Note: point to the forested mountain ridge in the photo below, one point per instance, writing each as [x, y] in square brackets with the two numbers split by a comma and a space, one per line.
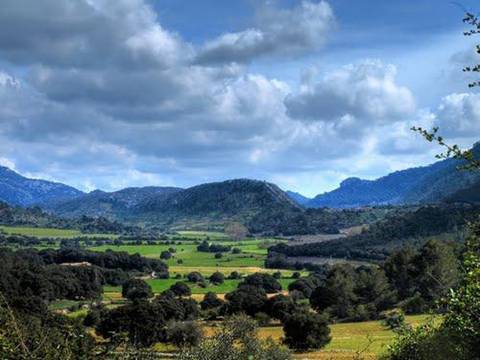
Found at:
[422, 185]
[114, 205]
[16, 189]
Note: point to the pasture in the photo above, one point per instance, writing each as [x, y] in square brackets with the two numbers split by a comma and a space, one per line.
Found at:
[40, 232]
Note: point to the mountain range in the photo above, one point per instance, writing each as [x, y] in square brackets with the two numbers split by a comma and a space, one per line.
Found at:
[18, 190]
[241, 199]
[428, 184]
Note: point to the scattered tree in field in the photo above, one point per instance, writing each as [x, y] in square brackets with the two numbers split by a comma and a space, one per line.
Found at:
[165, 255]
[305, 330]
[210, 301]
[195, 277]
[246, 299]
[181, 289]
[217, 278]
[264, 281]
[136, 289]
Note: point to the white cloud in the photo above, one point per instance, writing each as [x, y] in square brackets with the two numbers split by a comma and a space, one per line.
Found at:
[458, 115]
[356, 96]
[277, 31]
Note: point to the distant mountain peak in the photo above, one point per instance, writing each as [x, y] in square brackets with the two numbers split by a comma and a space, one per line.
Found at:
[18, 190]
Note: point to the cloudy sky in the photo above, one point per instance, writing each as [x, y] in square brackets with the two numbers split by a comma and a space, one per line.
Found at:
[114, 93]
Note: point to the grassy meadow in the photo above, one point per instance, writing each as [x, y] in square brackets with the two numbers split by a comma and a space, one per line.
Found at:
[40, 232]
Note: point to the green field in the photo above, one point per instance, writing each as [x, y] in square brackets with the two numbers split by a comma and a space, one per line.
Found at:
[367, 339]
[49, 232]
[160, 285]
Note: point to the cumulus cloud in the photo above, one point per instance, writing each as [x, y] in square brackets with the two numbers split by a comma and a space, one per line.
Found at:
[357, 95]
[110, 98]
[277, 31]
[71, 33]
[458, 115]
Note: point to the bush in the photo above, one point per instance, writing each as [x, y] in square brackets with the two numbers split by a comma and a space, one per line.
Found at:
[218, 255]
[136, 289]
[296, 275]
[394, 320]
[264, 281]
[195, 277]
[236, 251]
[277, 275]
[184, 334]
[217, 278]
[210, 301]
[181, 289]
[305, 330]
[165, 255]
[234, 275]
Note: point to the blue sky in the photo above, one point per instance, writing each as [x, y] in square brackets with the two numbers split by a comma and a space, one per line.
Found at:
[108, 94]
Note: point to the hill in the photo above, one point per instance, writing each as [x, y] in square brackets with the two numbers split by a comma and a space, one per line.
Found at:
[18, 190]
[298, 198]
[114, 205]
[429, 184]
[239, 199]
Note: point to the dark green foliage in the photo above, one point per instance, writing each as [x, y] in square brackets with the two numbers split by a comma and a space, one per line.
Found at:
[205, 246]
[264, 281]
[210, 301]
[234, 275]
[136, 289]
[305, 330]
[184, 334]
[165, 255]
[307, 285]
[145, 322]
[246, 299]
[354, 294]
[217, 278]
[181, 289]
[280, 306]
[109, 260]
[377, 242]
[195, 277]
[218, 255]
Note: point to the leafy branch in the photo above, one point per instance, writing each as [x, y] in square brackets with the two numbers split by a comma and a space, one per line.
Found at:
[451, 151]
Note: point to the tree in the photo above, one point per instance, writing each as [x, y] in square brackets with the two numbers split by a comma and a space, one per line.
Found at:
[264, 281]
[210, 301]
[400, 271]
[165, 255]
[305, 330]
[236, 339]
[195, 277]
[247, 299]
[184, 334]
[136, 289]
[337, 295]
[236, 231]
[280, 306]
[217, 278]
[181, 289]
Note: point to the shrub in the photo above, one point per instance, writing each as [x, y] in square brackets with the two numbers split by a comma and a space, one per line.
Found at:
[305, 330]
[217, 278]
[181, 289]
[210, 301]
[136, 289]
[262, 319]
[184, 334]
[195, 277]
[218, 255]
[394, 320]
[165, 255]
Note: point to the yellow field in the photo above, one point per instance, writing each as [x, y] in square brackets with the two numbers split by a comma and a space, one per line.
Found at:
[363, 340]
